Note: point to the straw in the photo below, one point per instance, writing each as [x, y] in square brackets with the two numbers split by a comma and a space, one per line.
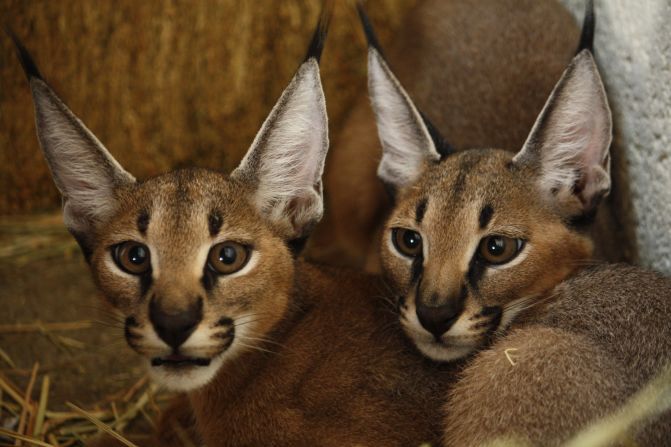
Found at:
[101, 425]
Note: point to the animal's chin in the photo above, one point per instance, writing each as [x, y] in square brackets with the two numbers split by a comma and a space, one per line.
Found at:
[441, 351]
[183, 373]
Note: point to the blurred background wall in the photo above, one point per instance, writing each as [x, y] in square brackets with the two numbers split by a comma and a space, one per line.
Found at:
[165, 84]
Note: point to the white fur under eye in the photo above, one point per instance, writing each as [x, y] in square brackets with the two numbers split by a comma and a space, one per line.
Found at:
[518, 259]
[253, 261]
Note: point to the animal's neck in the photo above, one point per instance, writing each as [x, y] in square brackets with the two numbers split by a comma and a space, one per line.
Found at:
[239, 372]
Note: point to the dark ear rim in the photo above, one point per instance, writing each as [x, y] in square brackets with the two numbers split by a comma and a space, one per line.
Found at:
[37, 83]
[251, 158]
[442, 147]
[533, 153]
[531, 146]
[80, 224]
[292, 204]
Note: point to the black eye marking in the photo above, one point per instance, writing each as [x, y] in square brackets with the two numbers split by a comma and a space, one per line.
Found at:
[143, 222]
[214, 222]
[420, 210]
[209, 279]
[475, 271]
[486, 215]
[145, 283]
[417, 269]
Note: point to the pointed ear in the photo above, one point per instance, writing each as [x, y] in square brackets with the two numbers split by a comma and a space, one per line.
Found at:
[284, 165]
[568, 145]
[408, 139]
[83, 170]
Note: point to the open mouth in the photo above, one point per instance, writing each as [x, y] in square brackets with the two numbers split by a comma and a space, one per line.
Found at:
[178, 360]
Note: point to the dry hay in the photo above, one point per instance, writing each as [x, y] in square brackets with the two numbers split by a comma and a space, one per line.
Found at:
[28, 419]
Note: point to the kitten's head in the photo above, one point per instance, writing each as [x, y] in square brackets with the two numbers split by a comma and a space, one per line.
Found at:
[476, 236]
[199, 263]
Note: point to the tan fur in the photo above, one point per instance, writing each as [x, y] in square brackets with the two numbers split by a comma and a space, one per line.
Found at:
[589, 339]
[335, 375]
[480, 70]
[602, 337]
[279, 352]
[570, 342]
[335, 371]
[456, 190]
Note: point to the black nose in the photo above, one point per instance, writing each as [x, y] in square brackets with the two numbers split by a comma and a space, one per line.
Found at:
[439, 319]
[175, 327]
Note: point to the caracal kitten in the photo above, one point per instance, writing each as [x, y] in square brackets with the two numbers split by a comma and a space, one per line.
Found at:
[270, 350]
[489, 249]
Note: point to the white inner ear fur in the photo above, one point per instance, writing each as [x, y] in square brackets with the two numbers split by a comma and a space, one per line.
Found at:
[572, 136]
[286, 159]
[83, 170]
[406, 142]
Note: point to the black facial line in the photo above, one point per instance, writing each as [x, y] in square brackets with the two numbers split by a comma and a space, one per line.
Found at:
[465, 168]
[214, 222]
[476, 270]
[486, 215]
[142, 222]
[209, 278]
[417, 268]
[145, 283]
[420, 210]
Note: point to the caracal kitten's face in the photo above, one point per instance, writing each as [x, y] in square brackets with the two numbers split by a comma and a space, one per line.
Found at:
[193, 270]
[469, 246]
[476, 237]
[198, 263]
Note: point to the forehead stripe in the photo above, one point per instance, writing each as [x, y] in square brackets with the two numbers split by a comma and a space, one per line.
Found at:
[420, 210]
[143, 221]
[486, 215]
[214, 222]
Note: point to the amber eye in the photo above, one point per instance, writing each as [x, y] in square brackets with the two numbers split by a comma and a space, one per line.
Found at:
[407, 242]
[227, 257]
[497, 249]
[132, 257]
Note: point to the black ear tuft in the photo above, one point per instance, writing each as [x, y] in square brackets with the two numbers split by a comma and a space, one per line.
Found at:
[588, 26]
[319, 37]
[371, 37]
[27, 62]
